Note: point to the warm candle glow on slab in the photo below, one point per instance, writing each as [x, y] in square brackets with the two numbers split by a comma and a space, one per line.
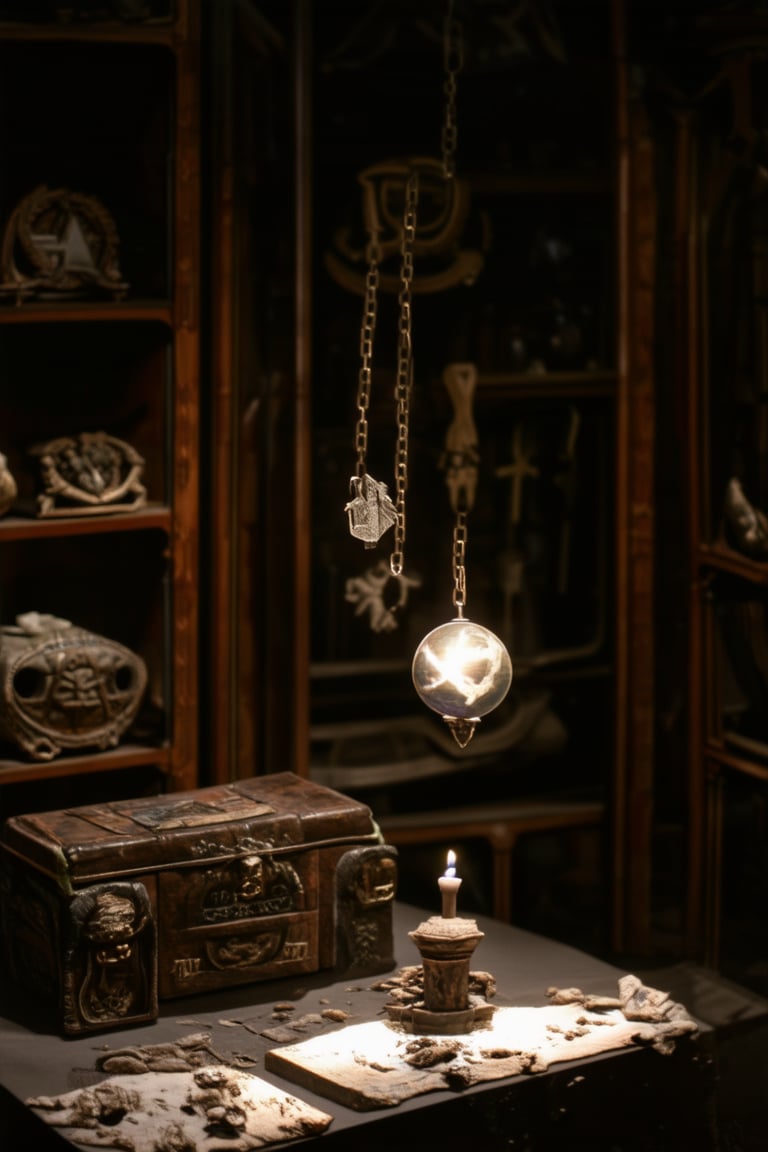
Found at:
[449, 886]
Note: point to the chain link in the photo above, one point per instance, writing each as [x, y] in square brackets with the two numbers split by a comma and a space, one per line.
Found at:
[404, 379]
[453, 62]
[459, 554]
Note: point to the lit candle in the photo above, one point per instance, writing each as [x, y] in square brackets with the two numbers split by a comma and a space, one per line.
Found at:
[449, 885]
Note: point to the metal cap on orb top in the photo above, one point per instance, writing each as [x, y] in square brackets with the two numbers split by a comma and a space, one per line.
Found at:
[462, 671]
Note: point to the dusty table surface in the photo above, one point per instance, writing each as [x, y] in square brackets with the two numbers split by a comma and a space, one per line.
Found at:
[35, 1061]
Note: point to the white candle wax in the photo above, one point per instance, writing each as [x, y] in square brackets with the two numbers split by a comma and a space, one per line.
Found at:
[449, 885]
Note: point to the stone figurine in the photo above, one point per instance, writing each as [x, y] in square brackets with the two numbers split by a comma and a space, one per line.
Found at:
[8, 490]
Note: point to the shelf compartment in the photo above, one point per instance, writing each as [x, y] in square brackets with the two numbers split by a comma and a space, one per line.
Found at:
[64, 134]
[64, 379]
[110, 587]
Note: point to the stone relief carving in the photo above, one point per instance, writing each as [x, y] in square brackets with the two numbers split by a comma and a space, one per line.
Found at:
[62, 686]
[60, 244]
[89, 474]
[110, 960]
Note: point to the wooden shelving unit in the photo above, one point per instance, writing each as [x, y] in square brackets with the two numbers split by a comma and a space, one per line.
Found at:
[721, 370]
[114, 114]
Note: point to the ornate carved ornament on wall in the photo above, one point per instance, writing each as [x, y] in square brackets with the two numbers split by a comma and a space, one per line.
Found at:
[63, 687]
[60, 244]
[89, 474]
[440, 244]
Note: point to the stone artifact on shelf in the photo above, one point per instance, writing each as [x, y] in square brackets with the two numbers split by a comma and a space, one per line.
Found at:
[8, 488]
[63, 687]
[60, 244]
[746, 525]
[264, 878]
[87, 475]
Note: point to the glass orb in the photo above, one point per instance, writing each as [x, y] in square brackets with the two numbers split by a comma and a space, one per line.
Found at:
[461, 670]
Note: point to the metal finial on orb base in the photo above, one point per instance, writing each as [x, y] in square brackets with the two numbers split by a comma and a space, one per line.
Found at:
[462, 730]
[462, 671]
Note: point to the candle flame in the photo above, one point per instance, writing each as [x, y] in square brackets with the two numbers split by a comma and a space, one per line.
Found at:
[450, 869]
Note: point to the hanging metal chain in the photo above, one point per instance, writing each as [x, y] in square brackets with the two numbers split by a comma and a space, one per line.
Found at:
[459, 554]
[367, 333]
[404, 380]
[370, 511]
[453, 62]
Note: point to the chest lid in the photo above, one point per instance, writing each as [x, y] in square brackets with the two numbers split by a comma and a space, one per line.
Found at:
[269, 813]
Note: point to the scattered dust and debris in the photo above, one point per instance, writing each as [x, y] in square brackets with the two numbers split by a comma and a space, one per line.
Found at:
[311, 1023]
[406, 986]
[337, 1015]
[426, 1052]
[189, 1052]
[662, 1020]
[182, 1111]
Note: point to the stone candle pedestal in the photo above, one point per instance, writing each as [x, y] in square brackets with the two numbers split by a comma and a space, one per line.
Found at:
[446, 945]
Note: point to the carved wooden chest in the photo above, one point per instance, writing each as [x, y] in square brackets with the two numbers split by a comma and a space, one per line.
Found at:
[109, 907]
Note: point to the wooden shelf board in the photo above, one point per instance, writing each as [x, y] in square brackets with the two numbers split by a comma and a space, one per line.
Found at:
[32, 528]
[99, 32]
[67, 311]
[494, 385]
[126, 756]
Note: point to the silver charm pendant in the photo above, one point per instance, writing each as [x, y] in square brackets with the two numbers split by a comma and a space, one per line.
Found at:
[370, 511]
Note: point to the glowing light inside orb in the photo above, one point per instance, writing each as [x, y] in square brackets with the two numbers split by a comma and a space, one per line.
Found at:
[461, 670]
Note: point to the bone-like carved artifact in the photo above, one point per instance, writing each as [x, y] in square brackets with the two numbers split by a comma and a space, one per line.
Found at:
[89, 474]
[59, 243]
